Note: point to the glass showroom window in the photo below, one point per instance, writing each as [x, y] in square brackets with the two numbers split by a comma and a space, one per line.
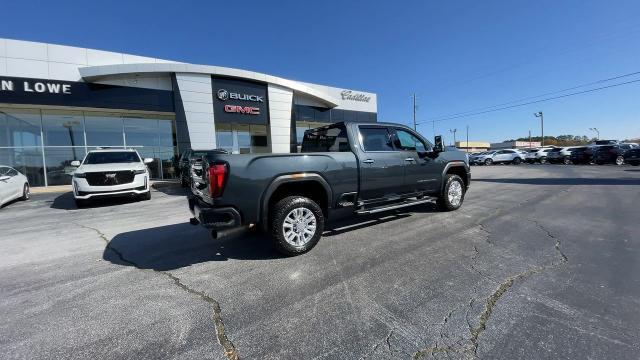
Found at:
[63, 143]
[103, 129]
[21, 143]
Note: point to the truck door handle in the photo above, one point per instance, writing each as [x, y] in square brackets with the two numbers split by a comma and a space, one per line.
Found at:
[368, 161]
[409, 159]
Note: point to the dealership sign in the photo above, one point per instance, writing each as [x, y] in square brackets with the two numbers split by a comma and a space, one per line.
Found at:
[239, 101]
[30, 91]
[33, 86]
[354, 96]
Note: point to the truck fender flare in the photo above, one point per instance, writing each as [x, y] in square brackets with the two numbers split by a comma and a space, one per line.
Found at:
[290, 178]
[448, 166]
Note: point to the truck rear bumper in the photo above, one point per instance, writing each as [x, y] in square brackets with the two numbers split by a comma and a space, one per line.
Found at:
[218, 218]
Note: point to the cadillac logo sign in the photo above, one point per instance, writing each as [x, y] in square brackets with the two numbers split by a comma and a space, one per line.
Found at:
[354, 96]
[223, 94]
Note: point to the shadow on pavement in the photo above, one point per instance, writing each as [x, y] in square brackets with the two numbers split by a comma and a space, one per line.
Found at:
[565, 181]
[66, 201]
[633, 170]
[176, 246]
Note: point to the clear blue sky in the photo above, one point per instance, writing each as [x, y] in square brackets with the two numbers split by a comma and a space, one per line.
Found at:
[456, 55]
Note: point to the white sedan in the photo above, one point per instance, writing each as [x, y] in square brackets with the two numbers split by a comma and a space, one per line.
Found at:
[13, 185]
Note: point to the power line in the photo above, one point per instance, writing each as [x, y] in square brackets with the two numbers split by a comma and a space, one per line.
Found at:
[535, 102]
[537, 96]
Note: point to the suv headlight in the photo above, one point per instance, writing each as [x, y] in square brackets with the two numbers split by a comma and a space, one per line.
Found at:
[138, 172]
[79, 175]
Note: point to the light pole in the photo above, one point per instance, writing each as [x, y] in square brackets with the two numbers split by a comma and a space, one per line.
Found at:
[454, 135]
[467, 138]
[541, 116]
[597, 132]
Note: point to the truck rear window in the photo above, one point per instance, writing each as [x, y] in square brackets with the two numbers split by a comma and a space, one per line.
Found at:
[326, 139]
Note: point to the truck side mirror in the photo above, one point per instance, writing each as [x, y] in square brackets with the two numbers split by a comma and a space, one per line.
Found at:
[438, 145]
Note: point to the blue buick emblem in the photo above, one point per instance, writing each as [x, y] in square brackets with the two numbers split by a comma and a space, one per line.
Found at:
[223, 94]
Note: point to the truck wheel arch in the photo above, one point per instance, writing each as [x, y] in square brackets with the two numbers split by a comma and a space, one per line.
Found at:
[287, 184]
[458, 168]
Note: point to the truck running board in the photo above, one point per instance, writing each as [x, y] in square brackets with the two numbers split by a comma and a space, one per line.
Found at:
[395, 206]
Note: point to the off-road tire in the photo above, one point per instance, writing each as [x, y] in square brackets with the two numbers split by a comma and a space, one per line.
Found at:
[443, 201]
[278, 214]
[26, 193]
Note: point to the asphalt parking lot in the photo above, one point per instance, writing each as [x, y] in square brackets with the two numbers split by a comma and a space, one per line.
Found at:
[542, 261]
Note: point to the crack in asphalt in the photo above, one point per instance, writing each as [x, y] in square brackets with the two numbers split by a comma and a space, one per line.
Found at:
[558, 245]
[229, 349]
[500, 291]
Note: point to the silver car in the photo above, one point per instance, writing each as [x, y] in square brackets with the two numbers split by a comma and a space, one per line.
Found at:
[484, 158]
[507, 156]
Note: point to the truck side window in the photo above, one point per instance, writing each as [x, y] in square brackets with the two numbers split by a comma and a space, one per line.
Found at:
[376, 139]
[326, 139]
[407, 141]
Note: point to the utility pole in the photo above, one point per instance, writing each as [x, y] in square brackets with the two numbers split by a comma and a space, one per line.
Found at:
[454, 135]
[467, 138]
[597, 132]
[529, 139]
[541, 116]
[414, 112]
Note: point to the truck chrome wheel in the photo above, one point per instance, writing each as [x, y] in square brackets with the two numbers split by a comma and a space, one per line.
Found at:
[455, 193]
[299, 226]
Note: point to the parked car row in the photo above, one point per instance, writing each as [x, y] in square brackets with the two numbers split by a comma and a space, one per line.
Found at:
[606, 152]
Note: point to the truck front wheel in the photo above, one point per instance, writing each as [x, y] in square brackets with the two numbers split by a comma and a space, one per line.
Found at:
[297, 224]
[453, 193]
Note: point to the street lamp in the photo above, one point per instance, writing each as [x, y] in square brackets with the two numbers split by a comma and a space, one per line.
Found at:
[454, 135]
[597, 132]
[541, 116]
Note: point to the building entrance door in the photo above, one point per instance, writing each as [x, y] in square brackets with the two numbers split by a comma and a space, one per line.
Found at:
[242, 138]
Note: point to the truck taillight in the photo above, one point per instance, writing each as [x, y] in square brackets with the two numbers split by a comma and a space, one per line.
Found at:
[217, 177]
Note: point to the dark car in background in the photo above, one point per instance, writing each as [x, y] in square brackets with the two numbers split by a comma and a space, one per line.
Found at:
[632, 156]
[581, 155]
[611, 154]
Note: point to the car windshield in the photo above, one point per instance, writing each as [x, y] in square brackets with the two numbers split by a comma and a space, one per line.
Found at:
[556, 150]
[110, 157]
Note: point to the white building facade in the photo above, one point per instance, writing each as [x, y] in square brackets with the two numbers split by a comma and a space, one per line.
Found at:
[58, 102]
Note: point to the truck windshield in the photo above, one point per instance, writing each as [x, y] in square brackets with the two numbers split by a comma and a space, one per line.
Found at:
[111, 157]
[326, 139]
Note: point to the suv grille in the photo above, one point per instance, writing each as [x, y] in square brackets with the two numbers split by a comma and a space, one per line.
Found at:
[109, 178]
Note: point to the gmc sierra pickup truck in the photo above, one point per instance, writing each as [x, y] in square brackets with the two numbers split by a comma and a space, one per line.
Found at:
[343, 169]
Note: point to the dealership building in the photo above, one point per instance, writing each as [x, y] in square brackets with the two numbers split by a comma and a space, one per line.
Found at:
[58, 102]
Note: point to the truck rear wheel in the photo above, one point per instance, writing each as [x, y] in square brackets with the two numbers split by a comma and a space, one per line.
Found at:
[297, 224]
[453, 193]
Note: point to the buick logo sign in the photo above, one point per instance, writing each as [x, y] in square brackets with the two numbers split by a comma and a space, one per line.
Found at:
[223, 94]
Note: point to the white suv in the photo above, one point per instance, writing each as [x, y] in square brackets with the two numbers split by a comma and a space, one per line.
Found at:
[111, 172]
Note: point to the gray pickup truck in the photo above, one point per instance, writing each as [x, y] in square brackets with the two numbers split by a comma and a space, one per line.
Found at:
[343, 169]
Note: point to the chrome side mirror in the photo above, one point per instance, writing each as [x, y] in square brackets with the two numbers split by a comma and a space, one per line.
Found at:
[148, 160]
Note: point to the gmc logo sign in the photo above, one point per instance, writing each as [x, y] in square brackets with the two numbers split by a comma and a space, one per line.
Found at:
[249, 110]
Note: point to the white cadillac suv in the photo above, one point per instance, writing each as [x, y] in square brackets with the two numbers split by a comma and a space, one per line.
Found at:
[111, 172]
